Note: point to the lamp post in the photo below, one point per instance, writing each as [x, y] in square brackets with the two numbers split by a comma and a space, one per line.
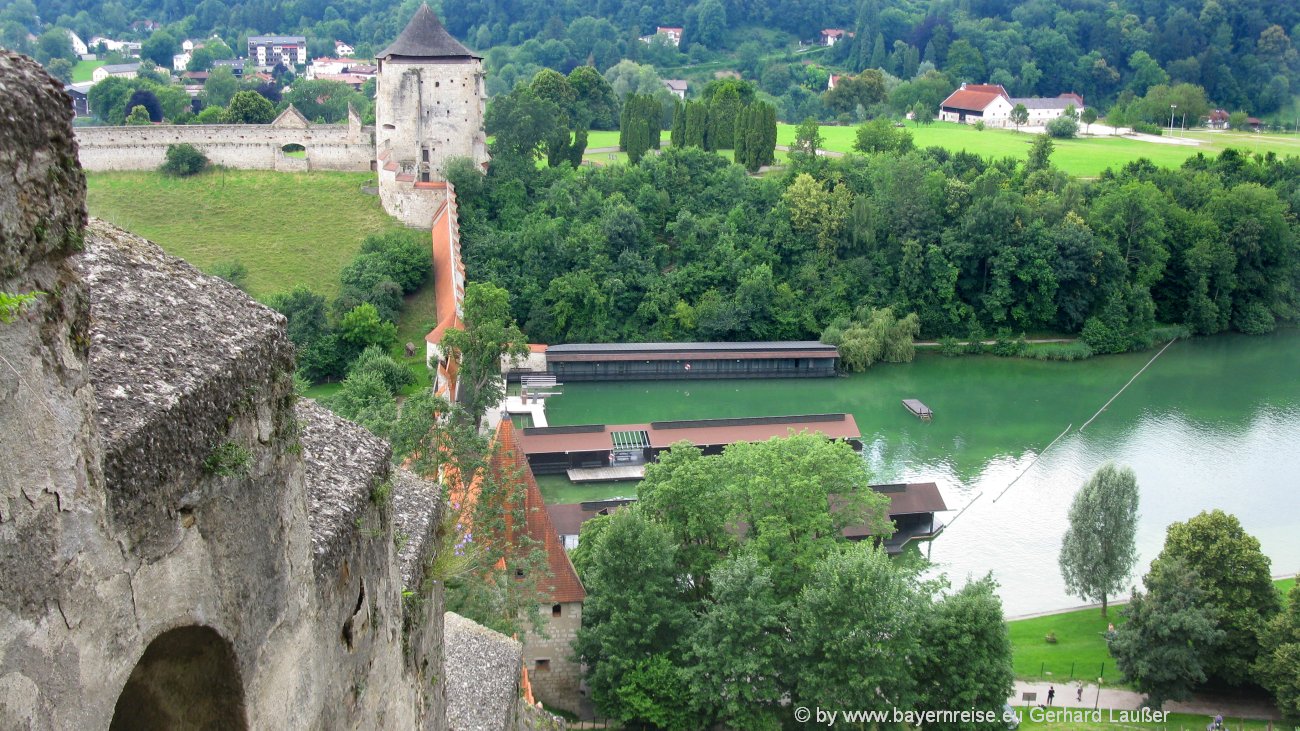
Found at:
[1172, 107]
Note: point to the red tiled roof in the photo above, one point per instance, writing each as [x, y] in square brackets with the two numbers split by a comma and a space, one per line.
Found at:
[833, 32]
[537, 347]
[974, 98]
[563, 585]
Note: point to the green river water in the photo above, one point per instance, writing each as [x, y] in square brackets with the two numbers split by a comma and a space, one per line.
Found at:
[1212, 423]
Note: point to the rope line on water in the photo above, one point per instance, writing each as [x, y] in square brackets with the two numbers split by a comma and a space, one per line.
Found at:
[1030, 466]
[1130, 383]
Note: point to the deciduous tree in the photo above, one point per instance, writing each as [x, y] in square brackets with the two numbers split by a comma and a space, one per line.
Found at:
[1100, 546]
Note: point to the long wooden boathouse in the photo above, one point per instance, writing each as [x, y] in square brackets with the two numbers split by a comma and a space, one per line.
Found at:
[912, 507]
[655, 361]
[556, 449]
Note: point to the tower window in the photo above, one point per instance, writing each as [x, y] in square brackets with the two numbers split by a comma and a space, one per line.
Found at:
[542, 665]
[557, 610]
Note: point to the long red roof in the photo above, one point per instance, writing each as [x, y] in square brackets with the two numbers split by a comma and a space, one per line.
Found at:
[974, 97]
[563, 585]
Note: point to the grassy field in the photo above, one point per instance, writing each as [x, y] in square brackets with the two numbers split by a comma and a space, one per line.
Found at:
[1084, 157]
[287, 229]
[83, 70]
[1080, 649]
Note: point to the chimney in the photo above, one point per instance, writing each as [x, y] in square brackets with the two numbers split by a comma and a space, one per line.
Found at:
[963, 84]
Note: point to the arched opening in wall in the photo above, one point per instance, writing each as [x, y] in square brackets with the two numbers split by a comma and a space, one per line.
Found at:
[187, 678]
[390, 126]
[294, 150]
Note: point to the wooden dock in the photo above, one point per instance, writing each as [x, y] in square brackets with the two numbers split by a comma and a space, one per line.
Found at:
[606, 474]
[918, 409]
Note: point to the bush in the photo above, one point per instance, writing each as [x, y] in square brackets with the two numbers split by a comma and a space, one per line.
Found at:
[1253, 318]
[979, 126]
[1060, 351]
[1103, 338]
[1007, 346]
[184, 160]
[232, 271]
[1148, 128]
[950, 346]
[393, 374]
[1170, 332]
[1063, 128]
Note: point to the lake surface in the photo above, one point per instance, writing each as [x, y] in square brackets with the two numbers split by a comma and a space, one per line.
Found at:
[1212, 423]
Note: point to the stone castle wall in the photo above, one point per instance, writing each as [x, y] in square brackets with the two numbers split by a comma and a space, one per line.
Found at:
[183, 542]
[345, 147]
[425, 114]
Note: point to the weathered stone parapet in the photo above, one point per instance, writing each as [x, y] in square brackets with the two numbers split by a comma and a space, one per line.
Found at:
[417, 510]
[483, 671]
[347, 472]
[178, 360]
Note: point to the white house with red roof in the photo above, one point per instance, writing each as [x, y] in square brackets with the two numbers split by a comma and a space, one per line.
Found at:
[831, 36]
[992, 105]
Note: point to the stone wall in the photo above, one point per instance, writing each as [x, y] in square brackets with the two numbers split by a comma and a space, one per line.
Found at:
[346, 147]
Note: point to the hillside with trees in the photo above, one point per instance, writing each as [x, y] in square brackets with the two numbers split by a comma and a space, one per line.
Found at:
[685, 246]
[1238, 56]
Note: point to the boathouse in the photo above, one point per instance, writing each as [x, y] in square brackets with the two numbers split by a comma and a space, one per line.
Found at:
[556, 449]
[655, 361]
[912, 507]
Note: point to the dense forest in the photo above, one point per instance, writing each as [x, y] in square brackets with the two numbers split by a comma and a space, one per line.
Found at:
[685, 245]
[1241, 53]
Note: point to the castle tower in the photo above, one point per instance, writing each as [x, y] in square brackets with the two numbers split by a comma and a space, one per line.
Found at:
[428, 108]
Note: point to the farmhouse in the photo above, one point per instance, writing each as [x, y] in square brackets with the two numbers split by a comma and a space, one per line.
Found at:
[674, 35]
[676, 87]
[992, 105]
[118, 70]
[831, 36]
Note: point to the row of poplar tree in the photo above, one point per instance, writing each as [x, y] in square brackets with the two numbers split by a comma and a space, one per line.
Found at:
[723, 122]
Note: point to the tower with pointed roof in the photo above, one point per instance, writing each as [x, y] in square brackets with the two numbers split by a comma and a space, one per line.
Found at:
[429, 104]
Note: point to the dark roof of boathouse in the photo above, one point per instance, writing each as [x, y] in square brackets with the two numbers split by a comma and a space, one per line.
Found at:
[700, 432]
[690, 351]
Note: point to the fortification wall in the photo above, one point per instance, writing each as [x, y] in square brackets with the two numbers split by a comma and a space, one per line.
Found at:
[346, 147]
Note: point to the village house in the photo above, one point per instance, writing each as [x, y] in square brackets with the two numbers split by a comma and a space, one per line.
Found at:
[181, 61]
[676, 87]
[343, 49]
[327, 66]
[236, 66]
[831, 36]
[992, 105]
[674, 35]
[831, 81]
[80, 105]
[115, 70]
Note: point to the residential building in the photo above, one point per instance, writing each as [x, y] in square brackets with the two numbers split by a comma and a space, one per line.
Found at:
[832, 81]
[674, 35]
[267, 51]
[992, 105]
[181, 61]
[343, 49]
[78, 45]
[80, 107]
[677, 87]
[118, 70]
[1218, 119]
[187, 45]
[236, 66]
[831, 36]
[329, 66]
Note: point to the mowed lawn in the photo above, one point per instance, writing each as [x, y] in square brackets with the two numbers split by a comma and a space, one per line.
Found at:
[286, 228]
[1086, 156]
[84, 69]
[1172, 722]
[1080, 650]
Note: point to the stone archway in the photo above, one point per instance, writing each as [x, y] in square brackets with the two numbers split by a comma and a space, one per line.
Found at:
[186, 679]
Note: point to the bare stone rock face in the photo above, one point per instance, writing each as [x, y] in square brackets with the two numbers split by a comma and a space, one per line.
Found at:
[182, 542]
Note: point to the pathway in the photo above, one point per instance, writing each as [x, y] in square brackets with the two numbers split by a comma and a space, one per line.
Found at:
[1201, 705]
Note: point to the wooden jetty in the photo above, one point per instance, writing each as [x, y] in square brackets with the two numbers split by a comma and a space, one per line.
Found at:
[918, 409]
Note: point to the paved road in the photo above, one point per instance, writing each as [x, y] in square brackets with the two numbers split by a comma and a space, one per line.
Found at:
[1067, 693]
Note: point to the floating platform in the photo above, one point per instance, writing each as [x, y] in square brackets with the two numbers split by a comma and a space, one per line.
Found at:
[607, 474]
[918, 409]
